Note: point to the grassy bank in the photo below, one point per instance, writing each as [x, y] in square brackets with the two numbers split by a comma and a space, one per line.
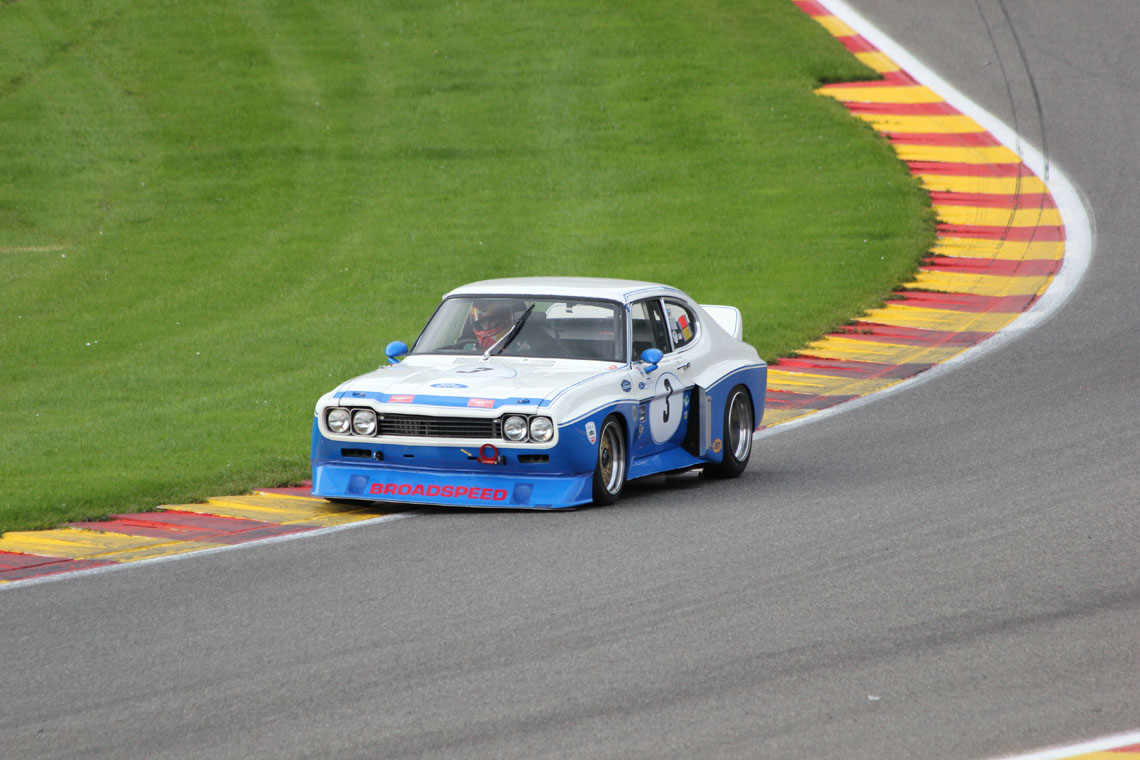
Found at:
[210, 213]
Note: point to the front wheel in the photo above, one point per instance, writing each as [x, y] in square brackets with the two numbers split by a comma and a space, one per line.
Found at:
[738, 428]
[609, 473]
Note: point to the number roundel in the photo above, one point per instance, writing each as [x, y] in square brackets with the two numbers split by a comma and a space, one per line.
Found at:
[665, 410]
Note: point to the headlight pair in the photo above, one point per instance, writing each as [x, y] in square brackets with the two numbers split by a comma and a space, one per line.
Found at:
[361, 421]
[518, 428]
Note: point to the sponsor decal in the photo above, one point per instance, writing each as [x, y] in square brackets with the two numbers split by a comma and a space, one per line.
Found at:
[482, 403]
[438, 491]
[591, 433]
[716, 446]
[626, 386]
[448, 385]
[401, 399]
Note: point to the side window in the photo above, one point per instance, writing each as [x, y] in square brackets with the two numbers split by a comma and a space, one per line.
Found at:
[682, 325]
[648, 323]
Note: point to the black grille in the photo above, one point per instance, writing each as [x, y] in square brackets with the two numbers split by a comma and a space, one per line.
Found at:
[439, 427]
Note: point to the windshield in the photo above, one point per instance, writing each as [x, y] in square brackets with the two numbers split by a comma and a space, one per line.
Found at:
[554, 329]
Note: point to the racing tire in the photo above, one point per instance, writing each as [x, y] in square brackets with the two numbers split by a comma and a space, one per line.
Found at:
[610, 470]
[738, 430]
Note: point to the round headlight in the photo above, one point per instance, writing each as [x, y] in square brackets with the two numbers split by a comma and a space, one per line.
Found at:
[364, 422]
[541, 429]
[514, 428]
[338, 420]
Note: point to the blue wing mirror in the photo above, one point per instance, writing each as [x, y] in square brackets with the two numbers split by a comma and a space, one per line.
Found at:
[651, 357]
[395, 350]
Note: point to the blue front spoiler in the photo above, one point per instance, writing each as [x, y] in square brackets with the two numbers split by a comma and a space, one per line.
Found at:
[411, 485]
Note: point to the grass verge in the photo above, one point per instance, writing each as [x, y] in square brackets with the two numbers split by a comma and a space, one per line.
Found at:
[210, 213]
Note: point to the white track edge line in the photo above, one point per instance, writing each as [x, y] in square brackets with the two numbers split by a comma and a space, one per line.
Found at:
[1079, 245]
[1079, 232]
[1082, 748]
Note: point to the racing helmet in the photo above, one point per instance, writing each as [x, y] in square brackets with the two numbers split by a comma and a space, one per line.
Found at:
[490, 320]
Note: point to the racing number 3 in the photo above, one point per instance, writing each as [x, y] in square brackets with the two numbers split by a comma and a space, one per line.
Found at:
[663, 420]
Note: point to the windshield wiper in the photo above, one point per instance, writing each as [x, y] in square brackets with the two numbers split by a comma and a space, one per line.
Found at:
[505, 341]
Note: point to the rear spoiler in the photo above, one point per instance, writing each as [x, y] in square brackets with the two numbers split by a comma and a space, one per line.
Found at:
[728, 317]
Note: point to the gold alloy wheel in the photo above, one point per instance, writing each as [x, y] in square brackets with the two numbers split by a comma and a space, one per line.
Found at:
[611, 462]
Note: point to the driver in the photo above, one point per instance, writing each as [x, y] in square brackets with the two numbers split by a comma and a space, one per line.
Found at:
[490, 319]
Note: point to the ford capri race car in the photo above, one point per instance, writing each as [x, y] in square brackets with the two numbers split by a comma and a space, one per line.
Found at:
[544, 393]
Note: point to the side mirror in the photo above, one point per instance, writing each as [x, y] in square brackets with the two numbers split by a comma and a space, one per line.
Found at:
[395, 350]
[651, 357]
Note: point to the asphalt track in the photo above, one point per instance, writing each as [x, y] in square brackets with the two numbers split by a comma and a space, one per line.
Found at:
[951, 571]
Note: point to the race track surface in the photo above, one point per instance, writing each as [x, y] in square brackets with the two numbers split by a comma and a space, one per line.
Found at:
[948, 572]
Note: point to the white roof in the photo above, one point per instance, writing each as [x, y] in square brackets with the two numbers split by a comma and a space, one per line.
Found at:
[565, 287]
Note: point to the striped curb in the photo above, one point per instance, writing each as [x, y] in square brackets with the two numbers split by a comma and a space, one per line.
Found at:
[1115, 753]
[1115, 747]
[1001, 242]
[174, 529]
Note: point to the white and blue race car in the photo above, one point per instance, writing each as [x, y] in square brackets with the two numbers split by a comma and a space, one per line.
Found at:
[544, 393]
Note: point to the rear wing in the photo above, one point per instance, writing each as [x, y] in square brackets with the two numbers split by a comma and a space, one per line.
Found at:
[728, 317]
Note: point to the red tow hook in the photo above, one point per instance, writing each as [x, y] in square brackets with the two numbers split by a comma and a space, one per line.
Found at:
[488, 454]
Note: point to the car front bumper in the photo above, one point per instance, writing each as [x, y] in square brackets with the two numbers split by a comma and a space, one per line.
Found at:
[413, 485]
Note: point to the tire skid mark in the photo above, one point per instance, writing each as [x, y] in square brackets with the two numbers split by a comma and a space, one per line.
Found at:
[1001, 242]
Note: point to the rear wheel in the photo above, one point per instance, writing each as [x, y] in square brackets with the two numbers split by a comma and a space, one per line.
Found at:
[609, 473]
[738, 428]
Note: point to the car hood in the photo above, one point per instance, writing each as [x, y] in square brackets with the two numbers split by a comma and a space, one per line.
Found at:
[434, 381]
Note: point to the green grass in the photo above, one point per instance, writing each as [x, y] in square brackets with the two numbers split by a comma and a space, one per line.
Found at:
[212, 212]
